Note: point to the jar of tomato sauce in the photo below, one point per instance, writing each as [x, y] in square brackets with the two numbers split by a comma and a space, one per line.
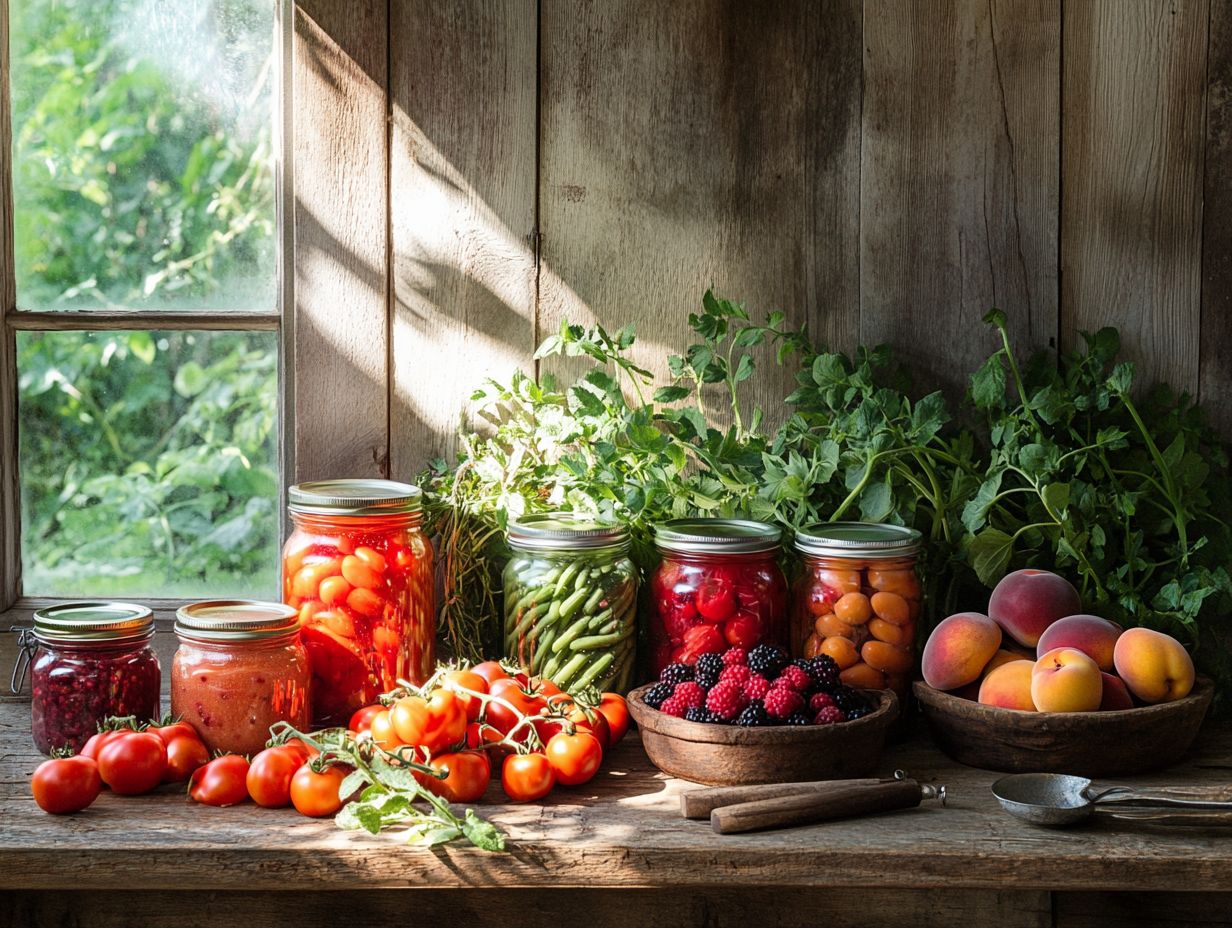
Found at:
[240, 668]
[88, 660]
[857, 599]
[359, 571]
[718, 585]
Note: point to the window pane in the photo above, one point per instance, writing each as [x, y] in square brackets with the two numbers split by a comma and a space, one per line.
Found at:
[148, 463]
[142, 166]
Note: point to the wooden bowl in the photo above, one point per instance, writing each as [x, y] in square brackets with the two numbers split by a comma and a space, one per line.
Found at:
[724, 755]
[1089, 744]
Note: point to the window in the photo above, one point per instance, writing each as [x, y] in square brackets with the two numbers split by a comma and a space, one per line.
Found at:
[142, 321]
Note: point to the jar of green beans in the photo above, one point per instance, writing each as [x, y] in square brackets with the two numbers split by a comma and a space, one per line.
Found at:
[571, 601]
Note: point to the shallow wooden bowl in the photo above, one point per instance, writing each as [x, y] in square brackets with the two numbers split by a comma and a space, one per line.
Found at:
[1089, 744]
[724, 755]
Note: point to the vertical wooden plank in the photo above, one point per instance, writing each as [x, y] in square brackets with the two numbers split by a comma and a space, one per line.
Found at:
[693, 144]
[1131, 218]
[463, 211]
[10, 498]
[1215, 347]
[959, 183]
[340, 327]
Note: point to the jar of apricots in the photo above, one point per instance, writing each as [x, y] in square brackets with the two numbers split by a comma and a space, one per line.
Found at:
[359, 570]
[857, 599]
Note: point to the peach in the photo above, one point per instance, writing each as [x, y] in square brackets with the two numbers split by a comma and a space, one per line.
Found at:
[1156, 667]
[1005, 656]
[958, 650]
[1009, 686]
[1066, 680]
[1026, 602]
[1093, 636]
[1116, 695]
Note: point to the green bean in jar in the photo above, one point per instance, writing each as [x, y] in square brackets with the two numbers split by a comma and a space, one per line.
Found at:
[571, 602]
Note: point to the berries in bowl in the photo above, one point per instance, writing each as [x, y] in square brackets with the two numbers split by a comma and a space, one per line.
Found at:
[754, 716]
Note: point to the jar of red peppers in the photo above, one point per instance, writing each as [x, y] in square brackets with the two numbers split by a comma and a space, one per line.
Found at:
[88, 660]
[359, 570]
[239, 669]
[718, 585]
[857, 600]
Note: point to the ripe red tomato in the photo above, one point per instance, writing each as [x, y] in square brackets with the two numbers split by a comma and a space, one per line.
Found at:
[743, 630]
[715, 601]
[490, 671]
[613, 708]
[527, 777]
[96, 742]
[174, 730]
[66, 784]
[221, 782]
[382, 730]
[468, 775]
[466, 679]
[316, 794]
[446, 721]
[269, 776]
[184, 755]
[133, 763]
[575, 758]
[502, 717]
[361, 721]
[410, 719]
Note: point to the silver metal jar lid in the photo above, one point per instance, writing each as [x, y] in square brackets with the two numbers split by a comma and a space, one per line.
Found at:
[236, 620]
[564, 531]
[92, 621]
[858, 539]
[354, 497]
[717, 536]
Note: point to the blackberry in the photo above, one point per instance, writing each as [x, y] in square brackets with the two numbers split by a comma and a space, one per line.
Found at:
[707, 669]
[767, 660]
[799, 718]
[700, 714]
[676, 673]
[849, 699]
[753, 715]
[659, 694]
[857, 713]
[824, 671]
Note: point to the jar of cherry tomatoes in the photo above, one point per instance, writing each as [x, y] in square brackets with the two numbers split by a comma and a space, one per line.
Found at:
[857, 600]
[88, 660]
[239, 669]
[359, 570]
[718, 585]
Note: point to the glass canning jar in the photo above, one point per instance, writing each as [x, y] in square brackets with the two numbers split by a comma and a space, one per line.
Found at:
[857, 599]
[359, 570]
[717, 586]
[239, 669]
[88, 660]
[571, 601]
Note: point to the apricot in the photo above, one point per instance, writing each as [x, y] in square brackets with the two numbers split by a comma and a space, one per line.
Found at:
[1009, 686]
[903, 582]
[1093, 636]
[886, 657]
[1026, 602]
[890, 607]
[1066, 680]
[829, 625]
[1116, 695]
[897, 635]
[863, 676]
[1156, 667]
[853, 608]
[812, 647]
[839, 582]
[843, 650]
[959, 649]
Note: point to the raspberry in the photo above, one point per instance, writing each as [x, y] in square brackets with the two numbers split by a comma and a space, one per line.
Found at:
[735, 656]
[726, 699]
[736, 673]
[767, 660]
[753, 715]
[708, 668]
[819, 701]
[674, 706]
[794, 677]
[830, 715]
[690, 693]
[657, 694]
[756, 687]
[676, 673]
[799, 718]
[783, 701]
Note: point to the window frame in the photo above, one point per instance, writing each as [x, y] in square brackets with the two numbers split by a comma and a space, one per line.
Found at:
[14, 604]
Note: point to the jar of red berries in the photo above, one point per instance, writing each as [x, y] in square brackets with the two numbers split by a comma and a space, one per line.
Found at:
[88, 660]
[718, 586]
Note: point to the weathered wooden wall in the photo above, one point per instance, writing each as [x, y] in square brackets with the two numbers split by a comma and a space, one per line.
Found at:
[883, 170]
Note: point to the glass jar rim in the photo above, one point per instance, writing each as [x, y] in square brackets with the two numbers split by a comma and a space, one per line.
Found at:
[564, 531]
[92, 622]
[858, 539]
[236, 620]
[717, 536]
[354, 497]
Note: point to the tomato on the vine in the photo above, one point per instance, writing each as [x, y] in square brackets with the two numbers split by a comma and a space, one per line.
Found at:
[133, 763]
[382, 730]
[595, 723]
[315, 793]
[612, 706]
[66, 784]
[466, 679]
[527, 777]
[185, 754]
[575, 758]
[504, 718]
[361, 721]
[268, 779]
[446, 721]
[468, 774]
[490, 671]
[221, 782]
[410, 719]
[174, 730]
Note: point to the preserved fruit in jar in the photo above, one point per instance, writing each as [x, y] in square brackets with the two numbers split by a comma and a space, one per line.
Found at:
[88, 660]
[718, 585]
[239, 669]
[571, 601]
[857, 600]
[359, 571]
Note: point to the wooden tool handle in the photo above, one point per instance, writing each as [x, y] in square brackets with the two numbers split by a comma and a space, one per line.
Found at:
[805, 808]
[699, 803]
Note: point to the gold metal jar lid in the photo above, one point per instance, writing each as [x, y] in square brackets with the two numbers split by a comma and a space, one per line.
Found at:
[564, 531]
[858, 539]
[92, 620]
[717, 536]
[354, 497]
[236, 620]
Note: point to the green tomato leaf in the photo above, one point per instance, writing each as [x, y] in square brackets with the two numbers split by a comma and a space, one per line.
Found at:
[990, 553]
[670, 394]
[988, 383]
[481, 833]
